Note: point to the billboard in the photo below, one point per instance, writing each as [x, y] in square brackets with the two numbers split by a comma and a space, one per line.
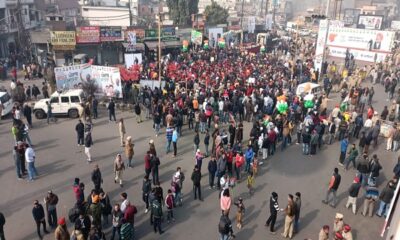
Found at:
[88, 34]
[365, 45]
[107, 78]
[213, 35]
[370, 21]
[111, 34]
[139, 32]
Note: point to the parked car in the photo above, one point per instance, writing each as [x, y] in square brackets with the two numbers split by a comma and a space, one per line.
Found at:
[66, 103]
[6, 103]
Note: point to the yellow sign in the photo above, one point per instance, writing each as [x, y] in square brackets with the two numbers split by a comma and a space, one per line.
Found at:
[64, 38]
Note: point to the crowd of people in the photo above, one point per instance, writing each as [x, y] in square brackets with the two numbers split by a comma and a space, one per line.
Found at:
[215, 93]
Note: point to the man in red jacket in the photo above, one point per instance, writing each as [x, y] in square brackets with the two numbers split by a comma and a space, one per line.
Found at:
[147, 163]
[129, 214]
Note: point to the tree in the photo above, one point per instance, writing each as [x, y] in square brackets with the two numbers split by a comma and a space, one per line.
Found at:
[89, 87]
[215, 14]
[180, 11]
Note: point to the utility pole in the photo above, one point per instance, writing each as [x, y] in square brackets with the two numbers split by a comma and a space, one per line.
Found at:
[241, 18]
[261, 8]
[328, 2]
[130, 12]
[159, 49]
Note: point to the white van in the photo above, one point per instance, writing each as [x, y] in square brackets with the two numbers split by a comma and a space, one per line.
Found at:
[6, 102]
[308, 88]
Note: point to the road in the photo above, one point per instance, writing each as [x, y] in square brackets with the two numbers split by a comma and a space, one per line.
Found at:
[59, 161]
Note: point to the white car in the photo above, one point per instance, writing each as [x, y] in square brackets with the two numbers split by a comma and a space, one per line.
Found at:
[6, 103]
[66, 103]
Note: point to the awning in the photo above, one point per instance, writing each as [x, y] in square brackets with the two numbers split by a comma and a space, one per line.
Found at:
[138, 46]
[172, 44]
[154, 45]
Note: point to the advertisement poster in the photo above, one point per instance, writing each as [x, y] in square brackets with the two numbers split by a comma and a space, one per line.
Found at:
[111, 34]
[63, 40]
[88, 34]
[365, 45]
[132, 58]
[107, 78]
[196, 37]
[213, 35]
[395, 25]
[370, 22]
[139, 32]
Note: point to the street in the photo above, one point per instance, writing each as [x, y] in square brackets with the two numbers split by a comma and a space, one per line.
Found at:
[59, 160]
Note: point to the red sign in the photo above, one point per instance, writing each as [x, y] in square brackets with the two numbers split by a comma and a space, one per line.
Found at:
[88, 34]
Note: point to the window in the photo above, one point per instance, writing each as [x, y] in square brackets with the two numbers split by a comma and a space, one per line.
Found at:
[64, 100]
[5, 98]
[54, 100]
[75, 99]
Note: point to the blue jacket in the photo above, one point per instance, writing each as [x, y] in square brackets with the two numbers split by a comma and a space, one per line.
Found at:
[249, 155]
[343, 145]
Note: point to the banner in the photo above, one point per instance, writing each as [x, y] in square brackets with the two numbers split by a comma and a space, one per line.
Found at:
[362, 39]
[196, 37]
[370, 21]
[365, 45]
[251, 24]
[111, 34]
[88, 34]
[63, 40]
[395, 25]
[107, 78]
[213, 35]
[132, 58]
[139, 32]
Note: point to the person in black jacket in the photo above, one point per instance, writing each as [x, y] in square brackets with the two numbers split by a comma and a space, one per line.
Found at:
[212, 169]
[196, 178]
[83, 224]
[374, 167]
[385, 198]
[2, 223]
[28, 114]
[146, 189]
[80, 132]
[274, 209]
[232, 133]
[207, 142]
[334, 184]
[88, 145]
[96, 178]
[196, 141]
[111, 110]
[225, 226]
[38, 216]
[363, 169]
[353, 194]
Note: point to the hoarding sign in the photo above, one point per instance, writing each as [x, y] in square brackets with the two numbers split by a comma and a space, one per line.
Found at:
[363, 44]
[370, 21]
[213, 35]
[107, 78]
[111, 34]
[395, 25]
[62, 38]
[88, 34]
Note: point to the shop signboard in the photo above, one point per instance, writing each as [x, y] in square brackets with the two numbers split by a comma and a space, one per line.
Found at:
[88, 34]
[111, 34]
[63, 40]
[370, 21]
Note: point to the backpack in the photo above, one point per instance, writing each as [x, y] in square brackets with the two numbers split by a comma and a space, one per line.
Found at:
[223, 226]
[156, 208]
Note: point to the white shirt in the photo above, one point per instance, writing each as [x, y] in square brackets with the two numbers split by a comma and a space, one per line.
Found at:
[17, 114]
[124, 204]
[29, 155]
[221, 105]
[368, 123]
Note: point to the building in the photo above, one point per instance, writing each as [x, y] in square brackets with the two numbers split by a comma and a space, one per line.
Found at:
[109, 12]
[16, 18]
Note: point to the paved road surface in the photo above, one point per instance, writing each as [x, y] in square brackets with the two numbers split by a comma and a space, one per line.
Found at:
[59, 161]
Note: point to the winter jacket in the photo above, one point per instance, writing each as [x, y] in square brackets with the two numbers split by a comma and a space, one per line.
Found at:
[61, 233]
[129, 214]
[273, 205]
[212, 167]
[88, 141]
[362, 166]
[221, 164]
[80, 129]
[96, 177]
[38, 212]
[95, 211]
[374, 167]
[387, 194]
[335, 181]
[343, 145]
[354, 189]
[169, 201]
[196, 177]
